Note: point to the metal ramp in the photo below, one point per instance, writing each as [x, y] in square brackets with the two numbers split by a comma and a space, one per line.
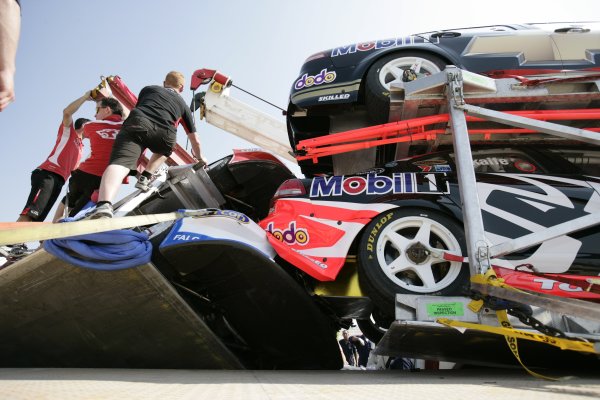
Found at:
[452, 91]
[57, 315]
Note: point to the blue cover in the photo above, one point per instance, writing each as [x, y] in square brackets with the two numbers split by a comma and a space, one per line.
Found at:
[106, 251]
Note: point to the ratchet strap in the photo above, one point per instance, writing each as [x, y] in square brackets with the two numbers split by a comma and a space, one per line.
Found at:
[510, 334]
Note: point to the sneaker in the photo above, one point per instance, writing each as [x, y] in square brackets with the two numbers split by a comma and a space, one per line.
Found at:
[18, 250]
[14, 251]
[103, 211]
[143, 183]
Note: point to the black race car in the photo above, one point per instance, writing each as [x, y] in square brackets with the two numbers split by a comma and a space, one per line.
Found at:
[398, 220]
[348, 86]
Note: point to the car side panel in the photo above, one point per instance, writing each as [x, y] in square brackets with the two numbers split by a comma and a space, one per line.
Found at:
[349, 70]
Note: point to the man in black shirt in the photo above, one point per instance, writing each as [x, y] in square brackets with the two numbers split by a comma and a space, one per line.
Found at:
[151, 124]
[349, 345]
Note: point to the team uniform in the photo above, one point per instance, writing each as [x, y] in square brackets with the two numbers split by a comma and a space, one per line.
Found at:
[152, 124]
[86, 179]
[49, 177]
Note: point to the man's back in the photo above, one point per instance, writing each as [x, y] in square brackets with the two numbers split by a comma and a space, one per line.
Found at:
[66, 153]
[102, 136]
[165, 107]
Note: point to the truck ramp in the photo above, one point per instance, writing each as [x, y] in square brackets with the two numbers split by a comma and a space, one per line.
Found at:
[57, 315]
[432, 341]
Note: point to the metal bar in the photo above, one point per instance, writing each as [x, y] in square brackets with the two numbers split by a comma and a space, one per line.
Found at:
[534, 238]
[540, 126]
[475, 234]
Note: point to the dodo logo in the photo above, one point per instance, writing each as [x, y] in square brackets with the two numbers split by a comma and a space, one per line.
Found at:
[291, 235]
[308, 80]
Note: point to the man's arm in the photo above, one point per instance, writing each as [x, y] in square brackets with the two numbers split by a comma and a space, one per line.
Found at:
[195, 142]
[357, 341]
[73, 107]
[10, 28]
[187, 119]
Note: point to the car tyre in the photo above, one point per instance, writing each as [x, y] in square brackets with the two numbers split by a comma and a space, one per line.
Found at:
[390, 69]
[395, 257]
[375, 326]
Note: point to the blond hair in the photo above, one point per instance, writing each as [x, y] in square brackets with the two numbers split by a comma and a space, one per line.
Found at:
[175, 80]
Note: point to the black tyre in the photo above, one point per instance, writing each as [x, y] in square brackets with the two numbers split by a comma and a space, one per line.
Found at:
[395, 256]
[390, 69]
[376, 326]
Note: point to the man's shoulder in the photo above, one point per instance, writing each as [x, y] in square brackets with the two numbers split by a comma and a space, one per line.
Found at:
[103, 123]
[153, 88]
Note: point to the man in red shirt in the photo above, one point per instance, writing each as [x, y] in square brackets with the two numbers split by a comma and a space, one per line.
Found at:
[101, 133]
[49, 177]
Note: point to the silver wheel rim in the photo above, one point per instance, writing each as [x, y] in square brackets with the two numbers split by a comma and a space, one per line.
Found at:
[392, 71]
[404, 257]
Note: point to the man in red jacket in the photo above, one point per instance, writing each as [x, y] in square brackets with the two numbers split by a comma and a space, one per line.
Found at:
[49, 177]
[101, 133]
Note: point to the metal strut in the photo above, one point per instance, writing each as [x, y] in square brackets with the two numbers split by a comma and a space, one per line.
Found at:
[477, 244]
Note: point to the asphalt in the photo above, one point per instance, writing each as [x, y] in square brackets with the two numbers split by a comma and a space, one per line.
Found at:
[465, 384]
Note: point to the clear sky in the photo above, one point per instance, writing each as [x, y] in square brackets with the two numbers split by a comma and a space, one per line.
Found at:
[66, 45]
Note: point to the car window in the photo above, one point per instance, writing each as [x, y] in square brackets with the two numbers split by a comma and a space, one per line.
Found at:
[588, 161]
[474, 30]
[504, 160]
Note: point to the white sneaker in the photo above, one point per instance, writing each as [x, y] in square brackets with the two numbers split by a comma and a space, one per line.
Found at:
[103, 211]
[143, 183]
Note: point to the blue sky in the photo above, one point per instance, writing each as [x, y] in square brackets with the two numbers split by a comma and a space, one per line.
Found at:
[66, 45]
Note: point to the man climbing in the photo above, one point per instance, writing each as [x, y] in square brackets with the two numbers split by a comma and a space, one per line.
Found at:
[151, 124]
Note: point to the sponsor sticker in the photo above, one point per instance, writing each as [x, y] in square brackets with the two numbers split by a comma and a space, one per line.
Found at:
[314, 80]
[375, 45]
[442, 168]
[290, 235]
[333, 97]
[373, 184]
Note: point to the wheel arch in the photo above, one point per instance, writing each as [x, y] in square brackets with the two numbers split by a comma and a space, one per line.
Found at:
[451, 212]
[363, 68]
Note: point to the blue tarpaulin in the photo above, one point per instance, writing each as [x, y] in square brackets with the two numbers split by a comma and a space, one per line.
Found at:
[104, 251]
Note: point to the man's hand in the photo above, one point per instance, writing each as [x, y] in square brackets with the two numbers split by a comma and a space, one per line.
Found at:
[195, 142]
[200, 158]
[7, 89]
[10, 28]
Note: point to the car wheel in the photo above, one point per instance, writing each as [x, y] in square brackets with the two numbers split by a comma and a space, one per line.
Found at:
[390, 69]
[396, 255]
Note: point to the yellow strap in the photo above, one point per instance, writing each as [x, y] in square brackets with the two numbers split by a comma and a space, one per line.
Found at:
[510, 334]
[592, 282]
[475, 305]
[513, 344]
[564, 344]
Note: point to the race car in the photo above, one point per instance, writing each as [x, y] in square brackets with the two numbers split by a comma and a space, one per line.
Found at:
[349, 86]
[399, 220]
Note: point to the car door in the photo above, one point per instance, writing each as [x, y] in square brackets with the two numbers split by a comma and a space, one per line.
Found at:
[524, 191]
[501, 48]
[577, 44]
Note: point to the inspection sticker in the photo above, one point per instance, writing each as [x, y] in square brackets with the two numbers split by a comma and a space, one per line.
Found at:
[454, 309]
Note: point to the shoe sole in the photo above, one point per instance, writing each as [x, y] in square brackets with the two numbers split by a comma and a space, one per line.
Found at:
[100, 216]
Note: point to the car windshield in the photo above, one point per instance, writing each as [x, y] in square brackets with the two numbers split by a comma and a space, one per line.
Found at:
[473, 30]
